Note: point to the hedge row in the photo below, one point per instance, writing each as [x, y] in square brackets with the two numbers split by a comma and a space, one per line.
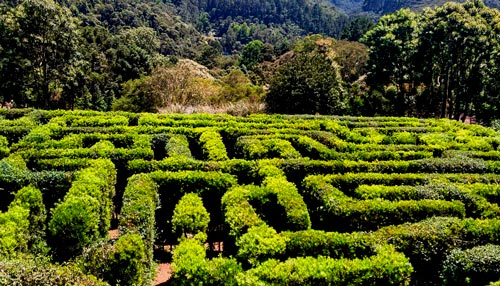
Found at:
[387, 267]
[334, 210]
[190, 216]
[427, 243]
[476, 205]
[252, 148]
[177, 146]
[102, 149]
[210, 186]
[348, 182]
[31, 270]
[212, 146]
[14, 225]
[475, 266]
[297, 169]
[15, 175]
[137, 217]
[191, 267]
[85, 213]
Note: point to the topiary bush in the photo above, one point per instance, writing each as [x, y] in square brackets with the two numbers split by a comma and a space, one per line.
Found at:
[31, 199]
[74, 224]
[190, 216]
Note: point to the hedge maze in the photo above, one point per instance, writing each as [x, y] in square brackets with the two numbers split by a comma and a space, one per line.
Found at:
[258, 200]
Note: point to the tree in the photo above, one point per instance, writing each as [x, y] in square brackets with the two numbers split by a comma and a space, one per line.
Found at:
[309, 81]
[393, 42]
[455, 52]
[43, 43]
[252, 54]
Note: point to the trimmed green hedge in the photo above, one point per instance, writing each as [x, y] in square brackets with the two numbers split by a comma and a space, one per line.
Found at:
[192, 268]
[177, 146]
[85, 213]
[31, 270]
[334, 210]
[190, 216]
[427, 243]
[387, 267]
[212, 146]
[475, 266]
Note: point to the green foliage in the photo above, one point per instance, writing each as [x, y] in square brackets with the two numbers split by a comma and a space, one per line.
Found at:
[351, 214]
[308, 83]
[14, 234]
[129, 262]
[140, 200]
[190, 216]
[137, 97]
[47, 62]
[212, 146]
[388, 267]
[4, 147]
[74, 224]
[260, 243]
[178, 146]
[250, 147]
[476, 266]
[30, 270]
[239, 213]
[189, 263]
[31, 199]
[428, 242]
[252, 54]
[329, 244]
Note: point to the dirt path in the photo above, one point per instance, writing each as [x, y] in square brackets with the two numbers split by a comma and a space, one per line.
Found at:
[163, 274]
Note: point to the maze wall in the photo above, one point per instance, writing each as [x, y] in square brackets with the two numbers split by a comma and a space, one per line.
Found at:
[258, 200]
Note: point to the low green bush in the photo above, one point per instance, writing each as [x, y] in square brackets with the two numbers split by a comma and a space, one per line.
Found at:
[239, 214]
[192, 268]
[330, 244]
[288, 197]
[190, 216]
[350, 214]
[260, 243]
[188, 263]
[74, 224]
[129, 263]
[4, 147]
[140, 200]
[314, 149]
[427, 243]
[475, 266]
[387, 267]
[31, 199]
[212, 146]
[178, 146]
[14, 235]
[100, 121]
[31, 270]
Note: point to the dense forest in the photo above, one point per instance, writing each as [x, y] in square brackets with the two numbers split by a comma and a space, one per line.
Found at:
[282, 56]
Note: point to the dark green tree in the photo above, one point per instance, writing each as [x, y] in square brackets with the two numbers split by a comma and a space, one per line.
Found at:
[308, 82]
[455, 53]
[393, 44]
[252, 54]
[41, 52]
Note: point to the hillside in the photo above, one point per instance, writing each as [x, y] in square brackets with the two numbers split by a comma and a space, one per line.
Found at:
[381, 7]
[182, 24]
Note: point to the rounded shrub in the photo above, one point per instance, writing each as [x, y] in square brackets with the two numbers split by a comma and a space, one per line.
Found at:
[74, 224]
[190, 216]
